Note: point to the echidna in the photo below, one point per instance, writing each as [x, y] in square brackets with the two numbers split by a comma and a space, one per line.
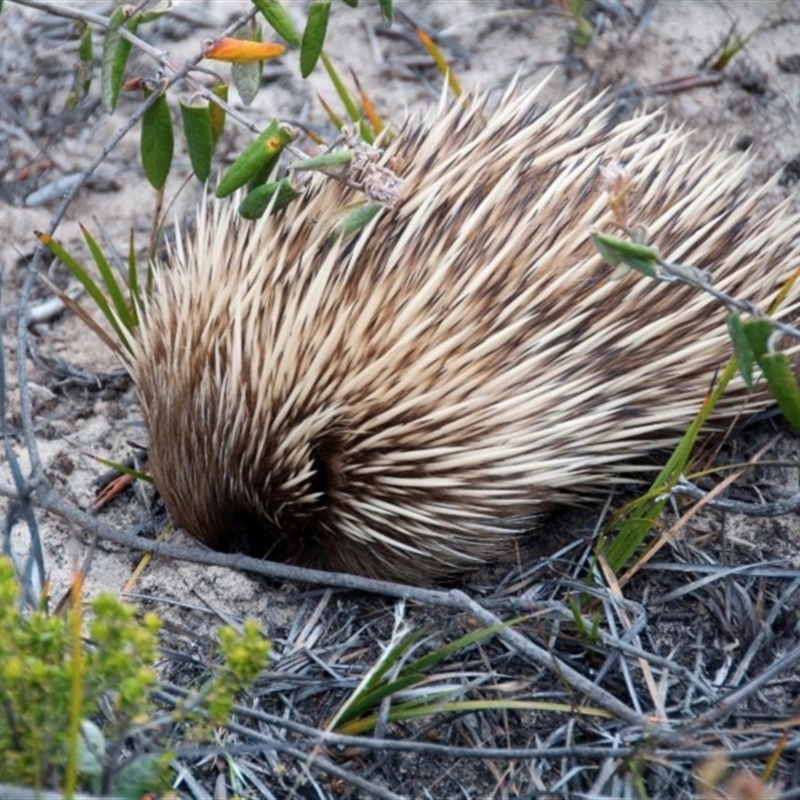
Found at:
[403, 403]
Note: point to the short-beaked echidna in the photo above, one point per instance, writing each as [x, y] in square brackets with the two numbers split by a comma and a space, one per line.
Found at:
[402, 403]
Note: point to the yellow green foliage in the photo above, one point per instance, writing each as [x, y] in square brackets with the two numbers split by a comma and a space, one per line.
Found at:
[39, 678]
[72, 694]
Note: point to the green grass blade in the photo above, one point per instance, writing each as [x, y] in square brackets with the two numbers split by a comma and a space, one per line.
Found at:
[87, 282]
[123, 470]
[426, 662]
[109, 280]
[362, 703]
[392, 656]
[133, 283]
[335, 119]
[387, 11]
[438, 57]
[348, 101]
[404, 713]
[373, 678]
[643, 514]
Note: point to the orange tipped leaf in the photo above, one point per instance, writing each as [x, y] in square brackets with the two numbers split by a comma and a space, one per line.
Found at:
[242, 51]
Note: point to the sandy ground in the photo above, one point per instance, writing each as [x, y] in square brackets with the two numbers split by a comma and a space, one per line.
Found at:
[636, 56]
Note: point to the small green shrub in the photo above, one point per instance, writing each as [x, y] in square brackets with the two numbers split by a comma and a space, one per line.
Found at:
[77, 711]
[53, 682]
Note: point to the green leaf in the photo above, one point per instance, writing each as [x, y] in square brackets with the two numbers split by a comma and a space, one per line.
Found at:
[110, 68]
[741, 347]
[116, 51]
[84, 67]
[314, 35]
[85, 45]
[279, 19]
[387, 11]
[157, 142]
[351, 3]
[199, 137]
[620, 251]
[583, 31]
[86, 55]
[91, 748]
[323, 161]
[776, 368]
[246, 75]
[358, 219]
[217, 112]
[139, 778]
[156, 10]
[261, 154]
[279, 193]
[758, 332]
[782, 382]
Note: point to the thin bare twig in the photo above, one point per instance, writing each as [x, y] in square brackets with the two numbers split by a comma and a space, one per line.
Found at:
[49, 501]
[575, 679]
[700, 279]
[685, 747]
[777, 508]
[162, 57]
[734, 699]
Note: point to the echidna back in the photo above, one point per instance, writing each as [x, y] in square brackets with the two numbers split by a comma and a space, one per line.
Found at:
[403, 403]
